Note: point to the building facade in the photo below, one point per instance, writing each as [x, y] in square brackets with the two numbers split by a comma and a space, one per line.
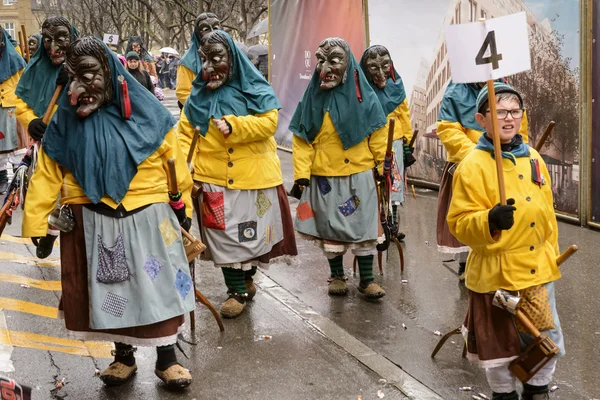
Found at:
[14, 13]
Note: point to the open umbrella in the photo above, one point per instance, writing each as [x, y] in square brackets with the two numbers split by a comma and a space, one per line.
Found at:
[260, 28]
[169, 50]
[258, 50]
[242, 47]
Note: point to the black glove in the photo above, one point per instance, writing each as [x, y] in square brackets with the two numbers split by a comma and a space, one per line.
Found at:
[37, 128]
[296, 191]
[181, 217]
[180, 105]
[44, 245]
[409, 159]
[187, 224]
[501, 218]
[63, 78]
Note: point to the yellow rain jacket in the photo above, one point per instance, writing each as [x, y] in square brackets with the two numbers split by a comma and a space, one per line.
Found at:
[185, 77]
[25, 114]
[147, 187]
[246, 159]
[7, 90]
[402, 129]
[326, 155]
[521, 257]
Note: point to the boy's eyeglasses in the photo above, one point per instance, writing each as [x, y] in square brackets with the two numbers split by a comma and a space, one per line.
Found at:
[502, 114]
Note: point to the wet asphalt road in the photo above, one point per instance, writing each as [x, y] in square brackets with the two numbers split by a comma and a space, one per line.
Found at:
[303, 360]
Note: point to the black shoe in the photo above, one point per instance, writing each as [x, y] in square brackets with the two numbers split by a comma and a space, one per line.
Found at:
[461, 271]
[400, 236]
[531, 392]
[505, 396]
[3, 186]
[45, 246]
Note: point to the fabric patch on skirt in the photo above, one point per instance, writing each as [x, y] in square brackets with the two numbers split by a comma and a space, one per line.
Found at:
[183, 283]
[536, 305]
[262, 204]
[304, 211]
[349, 206]
[152, 267]
[213, 210]
[269, 235]
[396, 186]
[169, 234]
[247, 231]
[114, 304]
[324, 186]
[112, 262]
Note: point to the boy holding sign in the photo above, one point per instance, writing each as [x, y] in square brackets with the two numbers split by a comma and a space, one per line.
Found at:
[513, 246]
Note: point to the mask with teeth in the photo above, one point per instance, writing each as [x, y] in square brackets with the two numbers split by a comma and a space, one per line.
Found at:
[216, 60]
[91, 82]
[332, 56]
[33, 43]
[206, 22]
[56, 38]
[378, 63]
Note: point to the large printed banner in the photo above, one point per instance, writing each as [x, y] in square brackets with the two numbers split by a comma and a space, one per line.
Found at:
[413, 31]
[595, 172]
[297, 28]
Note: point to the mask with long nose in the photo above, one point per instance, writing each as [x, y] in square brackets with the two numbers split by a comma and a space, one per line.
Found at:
[332, 66]
[56, 40]
[378, 69]
[206, 22]
[90, 82]
[33, 44]
[216, 60]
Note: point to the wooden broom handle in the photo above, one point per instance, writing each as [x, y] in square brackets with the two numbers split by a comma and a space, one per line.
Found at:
[527, 324]
[48, 113]
[568, 253]
[547, 132]
[193, 145]
[496, 139]
[390, 141]
[25, 37]
[173, 189]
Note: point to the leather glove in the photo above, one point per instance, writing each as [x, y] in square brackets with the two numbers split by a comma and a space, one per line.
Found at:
[409, 159]
[37, 128]
[44, 245]
[63, 78]
[297, 190]
[501, 218]
[181, 217]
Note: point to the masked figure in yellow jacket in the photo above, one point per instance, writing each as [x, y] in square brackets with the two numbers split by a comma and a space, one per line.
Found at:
[11, 69]
[459, 133]
[339, 138]
[243, 209]
[379, 69]
[513, 247]
[125, 275]
[190, 64]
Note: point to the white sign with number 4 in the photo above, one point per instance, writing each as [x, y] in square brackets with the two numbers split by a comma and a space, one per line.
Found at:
[488, 50]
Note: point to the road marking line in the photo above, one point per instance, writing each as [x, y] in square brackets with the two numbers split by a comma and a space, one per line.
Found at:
[19, 240]
[18, 258]
[6, 347]
[27, 307]
[67, 346]
[34, 283]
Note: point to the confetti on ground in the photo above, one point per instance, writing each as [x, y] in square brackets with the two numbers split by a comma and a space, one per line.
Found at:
[475, 397]
[96, 372]
[483, 396]
[554, 388]
[263, 337]
[426, 243]
[359, 397]
[219, 347]
[24, 286]
[383, 381]
[380, 394]
[404, 280]
[437, 333]
[404, 326]
[466, 388]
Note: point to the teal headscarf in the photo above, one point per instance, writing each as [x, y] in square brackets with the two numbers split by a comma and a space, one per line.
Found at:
[353, 119]
[246, 92]
[517, 147]
[145, 56]
[458, 105]
[393, 94]
[191, 59]
[38, 81]
[103, 150]
[11, 61]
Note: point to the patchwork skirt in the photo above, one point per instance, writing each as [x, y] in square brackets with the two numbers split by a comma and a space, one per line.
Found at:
[340, 212]
[494, 338]
[8, 130]
[245, 228]
[125, 279]
[446, 242]
[399, 186]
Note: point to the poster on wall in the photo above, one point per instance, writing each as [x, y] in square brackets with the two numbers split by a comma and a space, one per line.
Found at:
[550, 89]
[297, 28]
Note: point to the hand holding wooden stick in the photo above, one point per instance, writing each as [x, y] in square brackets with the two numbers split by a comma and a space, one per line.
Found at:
[48, 113]
[193, 148]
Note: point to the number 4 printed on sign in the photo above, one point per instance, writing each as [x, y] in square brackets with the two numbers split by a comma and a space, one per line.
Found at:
[494, 57]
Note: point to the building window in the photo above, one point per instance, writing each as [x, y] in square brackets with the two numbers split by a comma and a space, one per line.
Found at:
[483, 14]
[472, 10]
[9, 26]
[9, 2]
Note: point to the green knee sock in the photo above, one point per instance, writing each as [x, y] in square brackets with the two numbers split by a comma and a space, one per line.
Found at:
[365, 268]
[234, 279]
[336, 265]
[250, 273]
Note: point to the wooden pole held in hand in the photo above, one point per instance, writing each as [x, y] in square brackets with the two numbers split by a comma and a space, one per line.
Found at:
[568, 253]
[390, 141]
[173, 188]
[48, 113]
[193, 147]
[21, 45]
[414, 138]
[25, 37]
[496, 139]
[547, 132]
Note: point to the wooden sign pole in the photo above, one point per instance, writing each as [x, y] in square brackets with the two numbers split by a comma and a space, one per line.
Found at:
[496, 139]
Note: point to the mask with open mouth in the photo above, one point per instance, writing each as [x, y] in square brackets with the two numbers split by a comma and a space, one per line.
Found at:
[332, 56]
[206, 22]
[91, 82]
[216, 60]
[33, 43]
[378, 65]
[56, 38]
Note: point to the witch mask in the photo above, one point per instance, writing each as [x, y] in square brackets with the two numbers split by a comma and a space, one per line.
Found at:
[33, 44]
[206, 22]
[379, 65]
[216, 60]
[332, 56]
[91, 82]
[56, 38]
